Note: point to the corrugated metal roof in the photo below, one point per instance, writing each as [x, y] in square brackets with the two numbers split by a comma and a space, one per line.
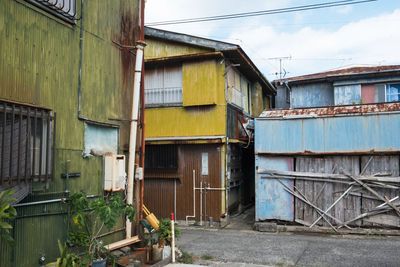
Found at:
[231, 51]
[331, 110]
[346, 72]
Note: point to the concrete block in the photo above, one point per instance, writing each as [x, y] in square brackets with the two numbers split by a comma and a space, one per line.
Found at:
[117, 253]
[224, 221]
[126, 249]
[265, 227]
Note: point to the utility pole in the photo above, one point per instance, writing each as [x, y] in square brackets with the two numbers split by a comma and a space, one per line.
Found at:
[280, 65]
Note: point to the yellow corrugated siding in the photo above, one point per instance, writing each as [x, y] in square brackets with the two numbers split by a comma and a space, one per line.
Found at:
[158, 48]
[256, 100]
[201, 83]
[192, 121]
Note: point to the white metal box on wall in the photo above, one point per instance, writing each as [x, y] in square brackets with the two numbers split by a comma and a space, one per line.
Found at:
[114, 172]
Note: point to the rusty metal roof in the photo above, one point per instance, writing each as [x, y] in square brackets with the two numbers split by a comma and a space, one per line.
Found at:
[331, 110]
[344, 73]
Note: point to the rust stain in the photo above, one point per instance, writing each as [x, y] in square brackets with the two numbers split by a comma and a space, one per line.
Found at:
[127, 38]
[333, 110]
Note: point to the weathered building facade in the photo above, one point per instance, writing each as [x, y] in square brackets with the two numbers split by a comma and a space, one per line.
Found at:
[200, 95]
[357, 85]
[317, 162]
[66, 79]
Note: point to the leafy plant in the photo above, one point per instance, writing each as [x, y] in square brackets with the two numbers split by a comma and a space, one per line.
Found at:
[88, 219]
[66, 259]
[185, 257]
[164, 230]
[7, 213]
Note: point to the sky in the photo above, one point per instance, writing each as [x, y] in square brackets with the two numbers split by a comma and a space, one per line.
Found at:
[307, 42]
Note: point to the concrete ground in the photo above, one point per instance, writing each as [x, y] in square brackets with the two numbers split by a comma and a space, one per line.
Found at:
[239, 246]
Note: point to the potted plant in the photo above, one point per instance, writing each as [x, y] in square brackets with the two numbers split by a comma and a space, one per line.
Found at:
[7, 213]
[88, 219]
[164, 232]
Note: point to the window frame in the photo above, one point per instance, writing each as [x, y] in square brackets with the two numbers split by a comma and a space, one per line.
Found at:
[168, 152]
[52, 9]
[164, 68]
[387, 87]
[23, 123]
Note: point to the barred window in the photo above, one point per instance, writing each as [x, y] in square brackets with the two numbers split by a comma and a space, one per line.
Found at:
[26, 144]
[161, 157]
[64, 9]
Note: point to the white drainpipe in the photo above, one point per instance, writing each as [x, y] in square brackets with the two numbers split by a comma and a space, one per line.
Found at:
[132, 137]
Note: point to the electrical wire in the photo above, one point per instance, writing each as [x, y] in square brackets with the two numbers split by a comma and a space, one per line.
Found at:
[262, 13]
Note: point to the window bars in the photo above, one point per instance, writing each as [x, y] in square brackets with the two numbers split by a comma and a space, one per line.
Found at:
[27, 143]
[64, 9]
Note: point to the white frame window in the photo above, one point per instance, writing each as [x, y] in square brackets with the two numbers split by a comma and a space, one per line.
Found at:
[63, 9]
[392, 92]
[163, 85]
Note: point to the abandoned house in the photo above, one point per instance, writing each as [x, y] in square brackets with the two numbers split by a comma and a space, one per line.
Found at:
[329, 160]
[66, 75]
[356, 85]
[201, 96]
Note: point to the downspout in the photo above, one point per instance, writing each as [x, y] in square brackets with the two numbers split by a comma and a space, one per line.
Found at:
[142, 117]
[133, 131]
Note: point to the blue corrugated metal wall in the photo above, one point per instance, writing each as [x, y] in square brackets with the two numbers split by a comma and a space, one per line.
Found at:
[346, 134]
[272, 201]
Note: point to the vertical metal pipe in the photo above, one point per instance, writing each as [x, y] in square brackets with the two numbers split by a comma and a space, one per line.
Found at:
[46, 172]
[34, 143]
[142, 117]
[10, 171]
[201, 202]
[41, 146]
[53, 162]
[133, 129]
[175, 197]
[173, 238]
[3, 143]
[19, 145]
[28, 138]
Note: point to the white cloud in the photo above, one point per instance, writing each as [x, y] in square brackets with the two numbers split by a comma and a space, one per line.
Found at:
[369, 41]
[162, 10]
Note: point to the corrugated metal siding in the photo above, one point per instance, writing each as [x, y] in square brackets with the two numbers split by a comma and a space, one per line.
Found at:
[159, 192]
[40, 66]
[202, 82]
[347, 134]
[272, 201]
[158, 48]
[312, 95]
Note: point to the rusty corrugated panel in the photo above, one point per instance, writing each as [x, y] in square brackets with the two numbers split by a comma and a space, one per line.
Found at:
[346, 72]
[332, 110]
[159, 191]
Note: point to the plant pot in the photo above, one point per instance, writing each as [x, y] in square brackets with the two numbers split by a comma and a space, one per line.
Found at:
[99, 263]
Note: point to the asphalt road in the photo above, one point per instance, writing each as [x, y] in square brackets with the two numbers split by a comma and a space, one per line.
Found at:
[285, 249]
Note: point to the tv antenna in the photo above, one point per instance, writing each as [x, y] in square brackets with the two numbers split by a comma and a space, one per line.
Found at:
[282, 71]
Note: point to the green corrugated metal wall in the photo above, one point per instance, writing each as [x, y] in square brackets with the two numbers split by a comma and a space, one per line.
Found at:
[39, 65]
